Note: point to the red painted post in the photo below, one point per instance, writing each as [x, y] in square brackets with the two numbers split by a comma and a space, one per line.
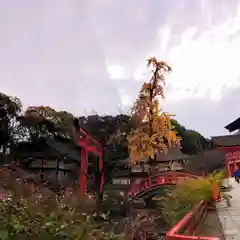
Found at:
[100, 162]
[83, 140]
[216, 192]
[83, 173]
[185, 222]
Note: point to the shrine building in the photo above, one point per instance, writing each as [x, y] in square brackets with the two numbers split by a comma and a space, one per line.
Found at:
[125, 174]
[230, 145]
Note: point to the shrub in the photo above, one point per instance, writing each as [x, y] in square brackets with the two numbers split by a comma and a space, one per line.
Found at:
[31, 212]
[186, 195]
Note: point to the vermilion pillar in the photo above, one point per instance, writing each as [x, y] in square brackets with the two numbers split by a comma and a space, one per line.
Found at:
[83, 172]
[215, 192]
[88, 144]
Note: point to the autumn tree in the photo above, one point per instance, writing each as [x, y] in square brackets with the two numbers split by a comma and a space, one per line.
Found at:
[154, 131]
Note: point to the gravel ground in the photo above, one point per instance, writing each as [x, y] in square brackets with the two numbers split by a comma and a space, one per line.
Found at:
[211, 226]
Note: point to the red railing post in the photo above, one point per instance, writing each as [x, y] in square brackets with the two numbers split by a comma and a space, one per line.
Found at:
[192, 219]
[190, 222]
[169, 178]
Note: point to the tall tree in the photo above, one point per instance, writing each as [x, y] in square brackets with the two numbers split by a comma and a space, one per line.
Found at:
[44, 120]
[192, 142]
[154, 131]
[11, 107]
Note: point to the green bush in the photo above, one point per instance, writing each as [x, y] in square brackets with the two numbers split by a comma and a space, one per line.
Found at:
[187, 195]
[33, 213]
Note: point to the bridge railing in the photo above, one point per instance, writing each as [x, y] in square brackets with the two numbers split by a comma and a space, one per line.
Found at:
[168, 178]
[186, 227]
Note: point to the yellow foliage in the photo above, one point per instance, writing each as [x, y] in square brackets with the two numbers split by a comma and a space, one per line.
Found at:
[218, 177]
[154, 131]
[41, 112]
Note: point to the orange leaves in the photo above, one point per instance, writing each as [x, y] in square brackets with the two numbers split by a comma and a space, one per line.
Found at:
[153, 62]
[139, 145]
[154, 132]
[166, 128]
[41, 112]
[146, 87]
[147, 140]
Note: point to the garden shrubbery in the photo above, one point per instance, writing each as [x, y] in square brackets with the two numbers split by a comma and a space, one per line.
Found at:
[187, 195]
[30, 212]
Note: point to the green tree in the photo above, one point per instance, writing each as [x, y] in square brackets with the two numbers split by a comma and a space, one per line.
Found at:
[192, 142]
[46, 121]
[13, 107]
[111, 132]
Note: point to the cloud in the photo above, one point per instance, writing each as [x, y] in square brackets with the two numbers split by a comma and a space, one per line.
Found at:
[209, 115]
[116, 72]
[69, 54]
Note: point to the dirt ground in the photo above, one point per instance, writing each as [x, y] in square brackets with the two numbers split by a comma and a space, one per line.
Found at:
[211, 226]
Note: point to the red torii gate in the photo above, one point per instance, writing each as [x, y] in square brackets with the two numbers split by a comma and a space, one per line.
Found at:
[88, 145]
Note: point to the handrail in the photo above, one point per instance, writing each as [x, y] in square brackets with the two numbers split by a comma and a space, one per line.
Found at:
[171, 178]
[162, 174]
[188, 221]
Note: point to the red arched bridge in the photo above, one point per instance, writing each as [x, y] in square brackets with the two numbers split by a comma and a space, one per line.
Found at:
[153, 182]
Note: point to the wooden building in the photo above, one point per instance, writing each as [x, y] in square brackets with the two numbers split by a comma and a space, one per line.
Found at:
[230, 145]
[49, 160]
[52, 155]
[125, 174]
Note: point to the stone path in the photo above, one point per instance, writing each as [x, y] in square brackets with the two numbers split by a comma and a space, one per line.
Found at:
[230, 216]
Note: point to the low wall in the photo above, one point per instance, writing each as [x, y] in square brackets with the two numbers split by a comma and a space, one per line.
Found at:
[185, 228]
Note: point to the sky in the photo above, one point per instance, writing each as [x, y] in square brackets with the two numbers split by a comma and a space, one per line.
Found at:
[88, 56]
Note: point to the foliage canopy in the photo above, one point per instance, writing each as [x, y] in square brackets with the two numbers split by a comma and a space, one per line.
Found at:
[154, 131]
[187, 195]
[31, 212]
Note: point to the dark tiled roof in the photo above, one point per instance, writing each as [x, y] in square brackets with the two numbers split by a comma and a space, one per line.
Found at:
[49, 147]
[227, 140]
[173, 153]
[235, 125]
[64, 148]
[207, 161]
